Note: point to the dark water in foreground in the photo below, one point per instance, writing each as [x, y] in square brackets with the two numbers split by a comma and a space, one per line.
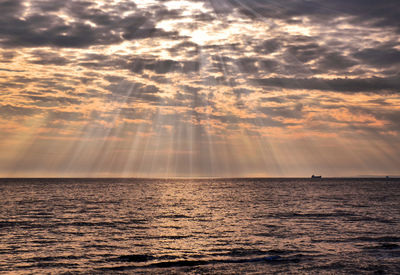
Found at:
[261, 226]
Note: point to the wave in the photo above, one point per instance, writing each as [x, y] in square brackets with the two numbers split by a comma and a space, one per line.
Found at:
[48, 265]
[173, 216]
[35, 224]
[386, 239]
[272, 259]
[388, 246]
[305, 215]
[241, 252]
[133, 258]
[53, 258]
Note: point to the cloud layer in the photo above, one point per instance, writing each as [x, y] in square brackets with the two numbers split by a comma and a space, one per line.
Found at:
[199, 88]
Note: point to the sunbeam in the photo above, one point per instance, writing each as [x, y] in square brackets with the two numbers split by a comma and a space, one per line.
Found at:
[199, 136]
[198, 88]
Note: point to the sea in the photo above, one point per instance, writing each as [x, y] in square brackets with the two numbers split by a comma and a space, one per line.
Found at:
[200, 226]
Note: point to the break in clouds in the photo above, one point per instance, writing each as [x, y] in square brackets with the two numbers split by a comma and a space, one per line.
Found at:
[199, 88]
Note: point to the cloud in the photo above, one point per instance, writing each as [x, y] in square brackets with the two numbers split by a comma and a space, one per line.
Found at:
[53, 101]
[390, 117]
[127, 90]
[368, 13]
[335, 61]
[7, 56]
[284, 111]
[64, 116]
[200, 73]
[268, 46]
[188, 48]
[138, 65]
[344, 85]
[247, 65]
[379, 57]
[10, 111]
[48, 58]
[90, 25]
[305, 52]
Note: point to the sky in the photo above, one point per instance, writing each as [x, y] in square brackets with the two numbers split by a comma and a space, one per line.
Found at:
[191, 88]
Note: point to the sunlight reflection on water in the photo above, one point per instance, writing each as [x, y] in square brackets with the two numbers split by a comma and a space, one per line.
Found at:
[200, 226]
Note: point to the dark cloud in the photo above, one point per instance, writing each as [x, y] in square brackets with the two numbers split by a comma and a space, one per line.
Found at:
[187, 47]
[40, 31]
[164, 66]
[247, 65]
[367, 12]
[8, 70]
[190, 89]
[162, 13]
[132, 91]
[268, 46]
[160, 79]
[148, 32]
[305, 52]
[10, 111]
[206, 17]
[135, 113]
[51, 6]
[335, 61]
[53, 101]
[275, 99]
[102, 61]
[390, 116]
[10, 7]
[220, 7]
[46, 28]
[190, 66]
[379, 101]
[295, 111]
[344, 85]
[48, 58]
[269, 65]
[211, 81]
[65, 116]
[7, 56]
[379, 57]
[241, 91]
[137, 65]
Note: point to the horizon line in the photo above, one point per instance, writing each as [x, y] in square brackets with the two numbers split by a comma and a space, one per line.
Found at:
[206, 177]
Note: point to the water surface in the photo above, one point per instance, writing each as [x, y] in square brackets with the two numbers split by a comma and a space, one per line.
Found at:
[260, 226]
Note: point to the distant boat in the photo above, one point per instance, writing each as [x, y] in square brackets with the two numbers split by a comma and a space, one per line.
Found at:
[316, 177]
[387, 177]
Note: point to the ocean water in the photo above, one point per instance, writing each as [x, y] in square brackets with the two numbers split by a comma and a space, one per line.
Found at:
[224, 226]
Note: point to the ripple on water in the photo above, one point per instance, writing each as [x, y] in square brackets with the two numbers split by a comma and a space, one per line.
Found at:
[211, 226]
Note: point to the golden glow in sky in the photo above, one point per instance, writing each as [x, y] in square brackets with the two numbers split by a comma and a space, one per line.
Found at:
[199, 88]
